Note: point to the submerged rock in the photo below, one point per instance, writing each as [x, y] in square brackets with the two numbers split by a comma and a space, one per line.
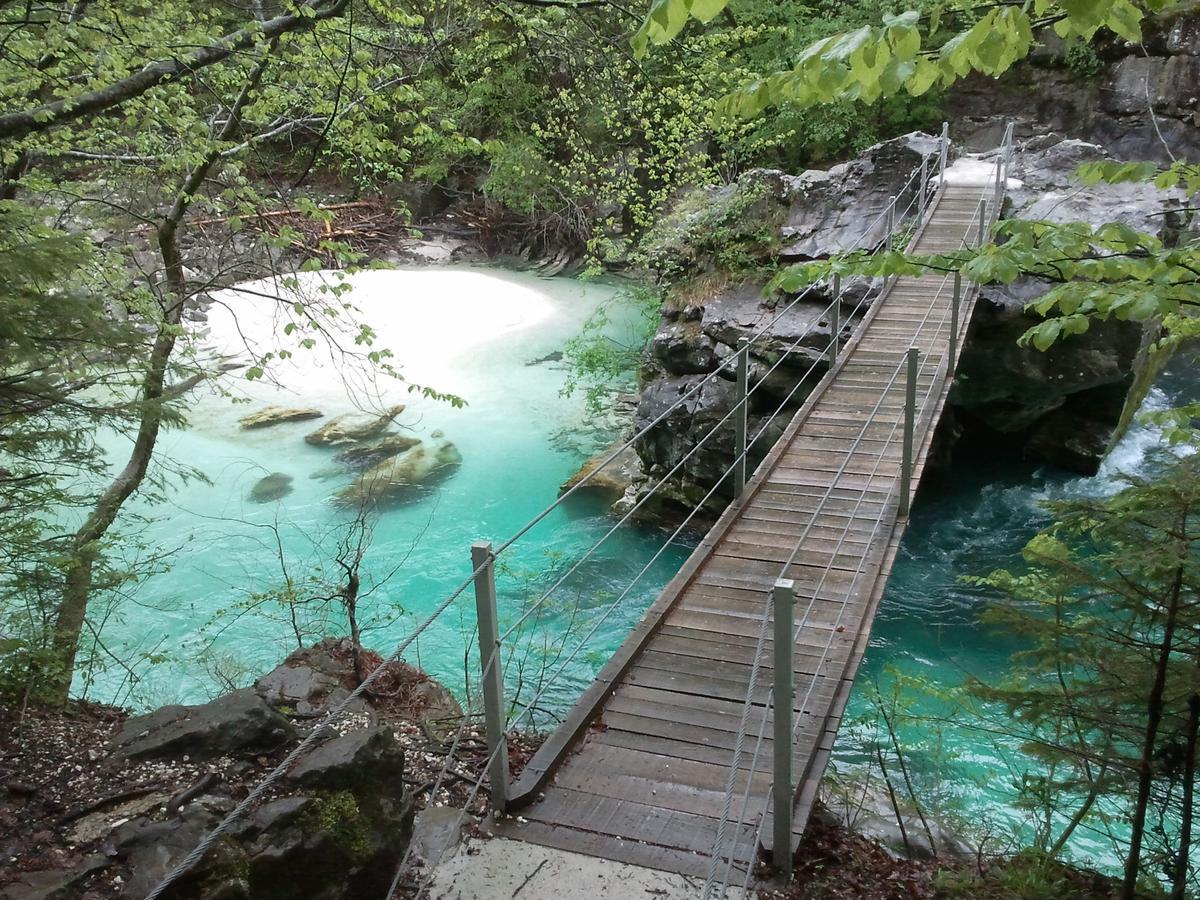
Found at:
[611, 480]
[351, 428]
[402, 477]
[277, 415]
[366, 455]
[271, 487]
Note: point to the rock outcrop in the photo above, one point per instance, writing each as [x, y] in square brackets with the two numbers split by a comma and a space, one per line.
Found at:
[334, 827]
[1065, 406]
[240, 721]
[371, 453]
[1138, 101]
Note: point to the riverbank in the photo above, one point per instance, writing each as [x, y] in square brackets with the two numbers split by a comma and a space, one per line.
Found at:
[99, 805]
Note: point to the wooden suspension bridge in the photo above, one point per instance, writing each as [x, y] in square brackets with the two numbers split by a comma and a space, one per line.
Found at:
[661, 758]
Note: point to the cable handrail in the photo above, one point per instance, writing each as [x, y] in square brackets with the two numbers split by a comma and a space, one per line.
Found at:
[937, 362]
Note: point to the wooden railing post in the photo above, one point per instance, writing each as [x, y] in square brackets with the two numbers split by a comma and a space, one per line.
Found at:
[783, 598]
[741, 416]
[483, 563]
[945, 154]
[982, 221]
[955, 302]
[835, 320]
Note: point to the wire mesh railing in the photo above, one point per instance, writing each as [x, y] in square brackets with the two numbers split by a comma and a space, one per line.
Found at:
[488, 692]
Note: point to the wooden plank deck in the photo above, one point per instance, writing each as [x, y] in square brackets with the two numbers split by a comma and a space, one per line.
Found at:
[639, 770]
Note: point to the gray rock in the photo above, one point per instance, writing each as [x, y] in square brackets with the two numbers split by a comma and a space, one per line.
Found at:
[871, 814]
[832, 211]
[52, 884]
[437, 830]
[352, 428]
[271, 487]
[277, 415]
[276, 813]
[368, 759]
[435, 707]
[240, 722]
[1066, 404]
[1183, 36]
[289, 684]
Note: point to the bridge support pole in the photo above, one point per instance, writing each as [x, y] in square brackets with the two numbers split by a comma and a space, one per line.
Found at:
[982, 222]
[783, 598]
[835, 320]
[955, 303]
[945, 157]
[741, 416]
[999, 197]
[922, 185]
[910, 421]
[483, 563]
[891, 224]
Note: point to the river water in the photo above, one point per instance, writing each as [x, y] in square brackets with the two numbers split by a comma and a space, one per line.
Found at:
[214, 615]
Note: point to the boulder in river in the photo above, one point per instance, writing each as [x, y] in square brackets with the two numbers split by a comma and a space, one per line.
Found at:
[401, 478]
[351, 428]
[277, 415]
[271, 487]
[371, 453]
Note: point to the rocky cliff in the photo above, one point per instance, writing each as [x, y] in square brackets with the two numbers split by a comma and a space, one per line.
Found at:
[1066, 406]
[1137, 101]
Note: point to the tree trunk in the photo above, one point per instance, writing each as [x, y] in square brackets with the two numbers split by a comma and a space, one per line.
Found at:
[1154, 714]
[85, 545]
[1182, 859]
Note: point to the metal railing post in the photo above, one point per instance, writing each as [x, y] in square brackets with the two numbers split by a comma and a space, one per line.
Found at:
[741, 417]
[923, 184]
[982, 220]
[835, 322]
[891, 224]
[954, 306]
[783, 597]
[945, 154]
[999, 186]
[910, 420]
[483, 563]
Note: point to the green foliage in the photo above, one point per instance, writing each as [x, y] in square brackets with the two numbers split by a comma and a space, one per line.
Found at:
[1082, 61]
[1108, 610]
[601, 363]
[894, 54]
[733, 229]
[336, 815]
[1028, 875]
